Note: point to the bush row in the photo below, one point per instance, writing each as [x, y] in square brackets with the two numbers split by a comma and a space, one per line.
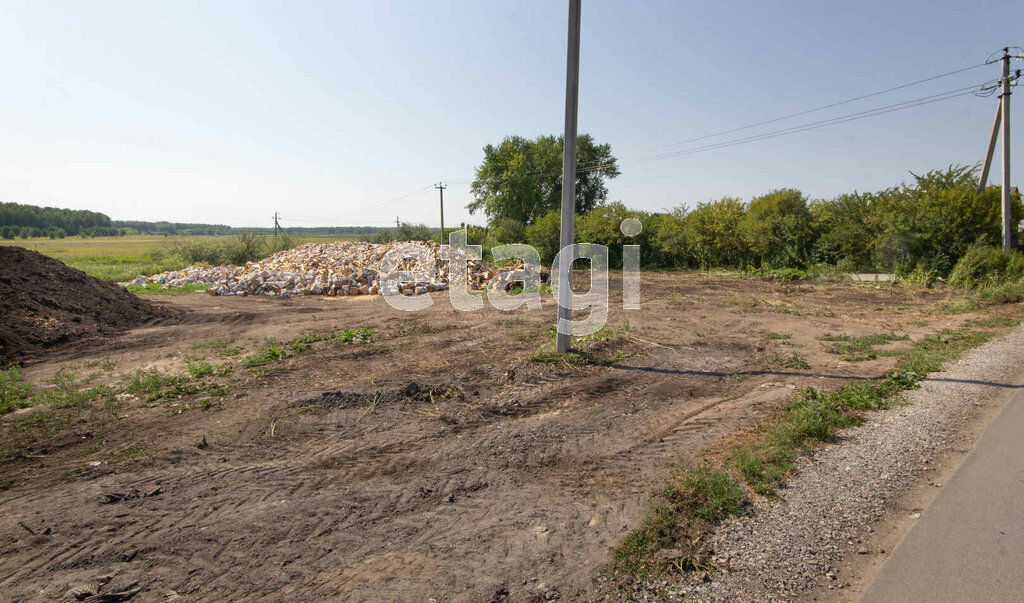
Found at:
[924, 226]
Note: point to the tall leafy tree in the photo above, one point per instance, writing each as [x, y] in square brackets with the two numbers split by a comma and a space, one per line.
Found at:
[521, 179]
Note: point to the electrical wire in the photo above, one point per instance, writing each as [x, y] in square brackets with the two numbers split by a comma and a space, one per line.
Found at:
[816, 125]
[816, 109]
[998, 55]
[985, 89]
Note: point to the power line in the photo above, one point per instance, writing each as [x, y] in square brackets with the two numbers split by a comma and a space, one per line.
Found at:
[821, 108]
[821, 124]
[597, 165]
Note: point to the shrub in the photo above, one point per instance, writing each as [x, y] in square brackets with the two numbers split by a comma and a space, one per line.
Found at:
[404, 232]
[506, 230]
[713, 236]
[777, 229]
[844, 232]
[933, 222]
[984, 266]
[603, 226]
[544, 235]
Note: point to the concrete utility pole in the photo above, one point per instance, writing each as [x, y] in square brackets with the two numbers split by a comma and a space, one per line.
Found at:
[572, 90]
[1004, 100]
[983, 181]
[440, 186]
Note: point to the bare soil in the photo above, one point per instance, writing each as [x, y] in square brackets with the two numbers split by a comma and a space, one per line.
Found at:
[435, 462]
[44, 304]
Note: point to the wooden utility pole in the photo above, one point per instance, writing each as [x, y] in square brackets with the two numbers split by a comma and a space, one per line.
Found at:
[277, 225]
[440, 186]
[567, 237]
[1004, 100]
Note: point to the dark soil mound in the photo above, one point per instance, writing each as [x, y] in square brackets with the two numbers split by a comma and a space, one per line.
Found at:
[45, 303]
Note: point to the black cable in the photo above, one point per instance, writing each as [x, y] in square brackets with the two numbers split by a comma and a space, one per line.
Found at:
[821, 108]
[812, 126]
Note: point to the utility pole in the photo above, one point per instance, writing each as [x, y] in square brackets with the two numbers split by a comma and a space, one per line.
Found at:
[277, 225]
[1004, 100]
[440, 186]
[567, 235]
[396, 224]
[983, 181]
[1002, 121]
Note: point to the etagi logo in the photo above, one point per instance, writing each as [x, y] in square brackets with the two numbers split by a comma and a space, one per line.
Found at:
[417, 263]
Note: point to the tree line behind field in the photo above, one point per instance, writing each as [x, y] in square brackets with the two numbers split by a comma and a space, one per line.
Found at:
[22, 221]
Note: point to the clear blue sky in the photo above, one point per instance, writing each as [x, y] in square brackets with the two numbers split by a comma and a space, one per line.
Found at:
[227, 111]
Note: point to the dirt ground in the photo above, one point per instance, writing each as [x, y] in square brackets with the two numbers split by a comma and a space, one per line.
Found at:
[45, 304]
[435, 462]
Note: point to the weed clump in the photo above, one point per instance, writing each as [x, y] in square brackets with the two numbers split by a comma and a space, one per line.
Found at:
[586, 350]
[858, 349]
[14, 393]
[357, 335]
[264, 357]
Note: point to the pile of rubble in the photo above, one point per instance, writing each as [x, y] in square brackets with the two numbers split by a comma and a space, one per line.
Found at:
[339, 268]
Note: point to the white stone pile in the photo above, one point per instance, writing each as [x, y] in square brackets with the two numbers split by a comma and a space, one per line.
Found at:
[333, 269]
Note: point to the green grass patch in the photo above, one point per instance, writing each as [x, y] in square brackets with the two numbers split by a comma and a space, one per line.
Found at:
[149, 384]
[994, 322]
[64, 392]
[121, 267]
[711, 493]
[930, 353]
[778, 336]
[158, 289]
[543, 289]
[357, 335]
[596, 349]
[694, 501]
[14, 392]
[858, 349]
[198, 370]
[263, 357]
[302, 342]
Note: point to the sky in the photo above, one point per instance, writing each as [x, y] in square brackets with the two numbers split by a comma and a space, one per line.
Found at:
[346, 112]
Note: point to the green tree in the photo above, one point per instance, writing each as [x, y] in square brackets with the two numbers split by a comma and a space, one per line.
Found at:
[712, 233]
[671, 240]
[544, 235]
[521, 179]
[931, 223]
[777, 228]
[845, 231]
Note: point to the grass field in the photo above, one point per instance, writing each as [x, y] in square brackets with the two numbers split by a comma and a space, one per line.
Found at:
[122, 258]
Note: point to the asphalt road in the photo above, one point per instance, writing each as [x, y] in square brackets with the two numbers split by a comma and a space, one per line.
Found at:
[968, 544]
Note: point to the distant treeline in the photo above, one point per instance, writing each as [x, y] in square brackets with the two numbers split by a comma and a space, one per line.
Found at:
[301, 231]
[172, 228]
[18, 220]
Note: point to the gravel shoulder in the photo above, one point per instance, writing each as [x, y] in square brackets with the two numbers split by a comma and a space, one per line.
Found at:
[828, 531]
